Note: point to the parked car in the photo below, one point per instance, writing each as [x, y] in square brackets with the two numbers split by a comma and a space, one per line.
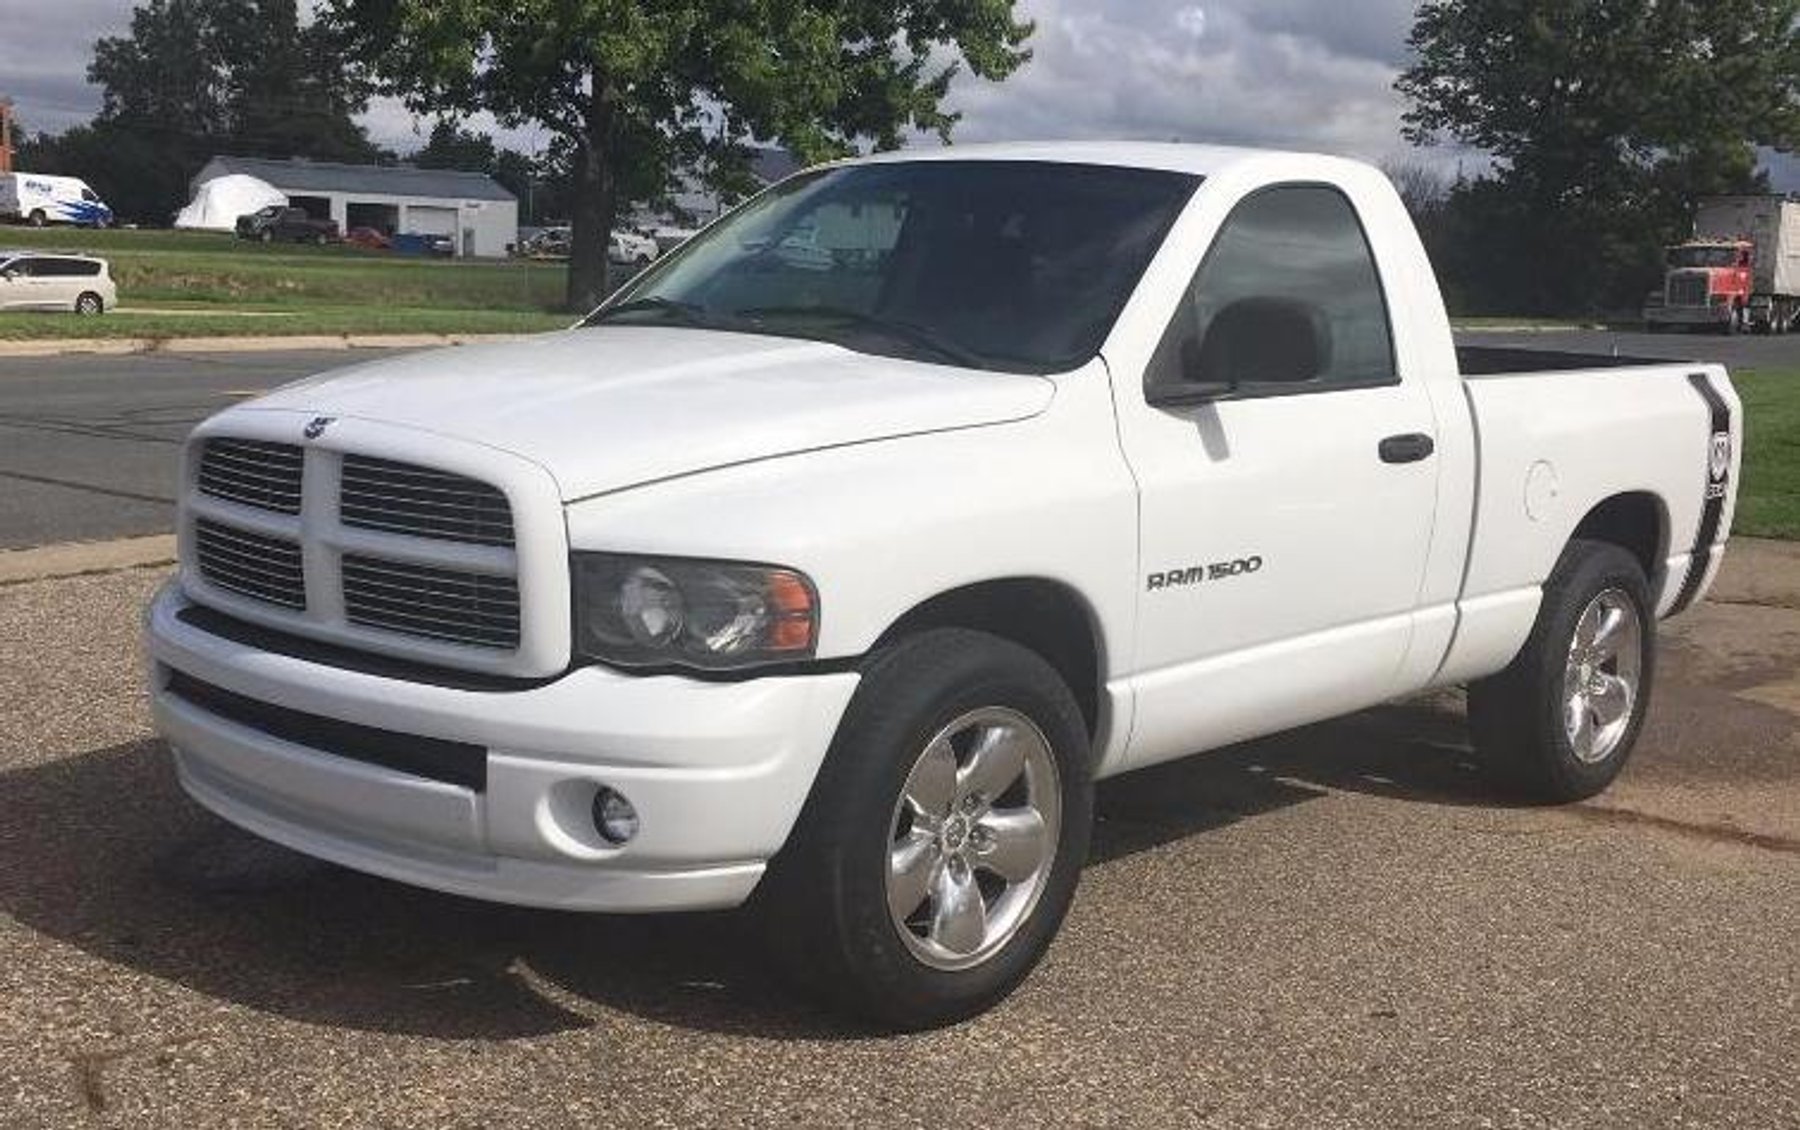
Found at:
[550, 243]
[839, 586]
[36, 280]
[631, 249]
[38, 199]
[372, 239]
[280, 223]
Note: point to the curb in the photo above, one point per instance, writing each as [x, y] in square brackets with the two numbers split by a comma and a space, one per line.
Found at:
[119, 346]
[74, 559]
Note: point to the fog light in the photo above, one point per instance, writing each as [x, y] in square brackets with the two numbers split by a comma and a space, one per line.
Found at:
[614, 817]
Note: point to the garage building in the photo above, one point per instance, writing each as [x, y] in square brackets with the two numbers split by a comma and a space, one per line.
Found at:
[471, 208]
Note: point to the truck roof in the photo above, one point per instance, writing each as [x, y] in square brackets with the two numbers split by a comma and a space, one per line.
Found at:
[1173, 156]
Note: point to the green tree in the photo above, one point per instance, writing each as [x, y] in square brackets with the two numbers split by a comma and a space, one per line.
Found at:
[193, 78]
[635, 90]
[1605, 119]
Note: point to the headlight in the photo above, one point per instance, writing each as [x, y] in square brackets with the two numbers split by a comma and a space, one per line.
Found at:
[714, 615]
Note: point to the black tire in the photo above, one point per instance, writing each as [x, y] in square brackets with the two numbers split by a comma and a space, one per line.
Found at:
[37, 219]
[89, 304]
[1517, 716]
[823, 905]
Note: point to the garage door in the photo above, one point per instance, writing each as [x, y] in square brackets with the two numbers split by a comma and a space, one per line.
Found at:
[431, 221]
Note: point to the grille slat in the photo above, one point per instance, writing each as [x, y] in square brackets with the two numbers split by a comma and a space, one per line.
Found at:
[1688, 290]
[252, 473]
[252, 565]
[447, 604]
[402, 498]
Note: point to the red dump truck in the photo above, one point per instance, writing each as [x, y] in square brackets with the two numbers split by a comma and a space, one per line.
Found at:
[1741, 271]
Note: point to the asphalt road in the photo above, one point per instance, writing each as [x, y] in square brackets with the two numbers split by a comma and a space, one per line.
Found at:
[89, 444]
[1341, 926]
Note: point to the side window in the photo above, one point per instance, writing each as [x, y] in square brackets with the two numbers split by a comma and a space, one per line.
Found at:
[27, 268]
[87, 194]
[89, 268]
[1287, 298]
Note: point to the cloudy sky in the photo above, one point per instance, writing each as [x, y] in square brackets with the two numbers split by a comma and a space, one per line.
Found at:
[1298, 73]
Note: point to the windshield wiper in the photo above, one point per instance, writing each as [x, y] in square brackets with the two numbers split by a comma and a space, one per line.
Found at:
[687, 313]
[905, 331]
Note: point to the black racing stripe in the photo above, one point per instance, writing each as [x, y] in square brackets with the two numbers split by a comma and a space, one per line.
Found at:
[1718, 488]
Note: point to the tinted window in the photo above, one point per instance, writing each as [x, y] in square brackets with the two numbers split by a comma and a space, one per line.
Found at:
[1288, 293]
[996, 264]
[64, 268]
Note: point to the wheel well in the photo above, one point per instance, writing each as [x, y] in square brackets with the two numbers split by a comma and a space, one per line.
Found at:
[1045, 616]
[1635, 522]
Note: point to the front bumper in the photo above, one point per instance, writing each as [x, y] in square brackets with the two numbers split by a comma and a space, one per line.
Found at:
[1688, 315]
[718, 772]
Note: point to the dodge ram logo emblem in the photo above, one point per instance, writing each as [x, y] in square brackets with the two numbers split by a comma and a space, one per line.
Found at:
[316, 426]
[1718, 460]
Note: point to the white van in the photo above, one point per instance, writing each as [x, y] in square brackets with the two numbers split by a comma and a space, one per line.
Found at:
[38, 199]
[35, 280]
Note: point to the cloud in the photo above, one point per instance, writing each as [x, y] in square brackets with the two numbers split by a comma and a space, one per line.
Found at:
[1291, 74]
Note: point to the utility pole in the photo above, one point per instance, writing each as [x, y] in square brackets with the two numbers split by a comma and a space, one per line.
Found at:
[6, 146]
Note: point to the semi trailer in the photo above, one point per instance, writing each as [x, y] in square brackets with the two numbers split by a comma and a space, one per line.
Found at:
[1740, 271]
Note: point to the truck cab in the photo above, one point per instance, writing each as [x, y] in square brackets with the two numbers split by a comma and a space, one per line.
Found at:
[1707, 283]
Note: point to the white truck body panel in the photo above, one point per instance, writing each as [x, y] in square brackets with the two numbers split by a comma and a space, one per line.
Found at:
[1771, 223]
[890, 483]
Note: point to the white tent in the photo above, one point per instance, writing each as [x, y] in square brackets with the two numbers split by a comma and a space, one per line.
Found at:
[219, 202]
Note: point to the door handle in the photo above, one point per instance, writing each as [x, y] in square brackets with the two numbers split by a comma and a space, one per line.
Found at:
[1408, 448]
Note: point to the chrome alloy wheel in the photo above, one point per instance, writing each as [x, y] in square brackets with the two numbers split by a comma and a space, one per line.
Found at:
[973, 838]
[1601, 678]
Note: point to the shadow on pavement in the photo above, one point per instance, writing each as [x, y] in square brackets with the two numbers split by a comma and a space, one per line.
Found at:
[102, 851]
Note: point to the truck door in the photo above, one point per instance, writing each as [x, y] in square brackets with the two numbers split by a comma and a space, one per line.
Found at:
[1287, 483]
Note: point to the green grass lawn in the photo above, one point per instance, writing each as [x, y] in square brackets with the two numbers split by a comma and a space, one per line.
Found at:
[1769, 496]
[156, 268]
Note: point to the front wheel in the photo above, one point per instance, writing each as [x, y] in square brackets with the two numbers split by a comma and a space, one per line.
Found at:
[1559, 723]
[942, 842]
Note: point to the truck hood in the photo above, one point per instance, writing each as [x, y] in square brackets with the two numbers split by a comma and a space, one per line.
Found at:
[610, 407]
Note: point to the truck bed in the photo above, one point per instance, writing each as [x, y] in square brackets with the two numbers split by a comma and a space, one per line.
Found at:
[1508, 361]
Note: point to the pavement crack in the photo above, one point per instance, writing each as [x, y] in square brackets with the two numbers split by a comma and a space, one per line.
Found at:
[1713, 833]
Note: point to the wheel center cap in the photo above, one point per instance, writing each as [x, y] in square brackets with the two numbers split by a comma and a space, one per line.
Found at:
[955, 834]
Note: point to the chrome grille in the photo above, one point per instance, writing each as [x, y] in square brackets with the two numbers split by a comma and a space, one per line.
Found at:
[253, 473]
[254, 565]
[421, 600]
[1689, 289]
[401, 498]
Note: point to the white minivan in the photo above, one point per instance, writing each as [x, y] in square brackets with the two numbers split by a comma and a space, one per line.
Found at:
[38, 199]
[34, 280]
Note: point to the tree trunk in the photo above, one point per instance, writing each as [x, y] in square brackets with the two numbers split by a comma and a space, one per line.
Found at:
[592, 210]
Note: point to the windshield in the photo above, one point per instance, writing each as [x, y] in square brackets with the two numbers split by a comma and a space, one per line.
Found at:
[1703, 256]
[1010, 265]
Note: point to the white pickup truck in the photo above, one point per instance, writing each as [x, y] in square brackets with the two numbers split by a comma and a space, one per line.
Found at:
[828, 565]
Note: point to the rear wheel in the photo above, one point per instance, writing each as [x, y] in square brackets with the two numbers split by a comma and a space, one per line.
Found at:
[942, 842]
[1559, 723]
[89, 304]
[37, 219]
